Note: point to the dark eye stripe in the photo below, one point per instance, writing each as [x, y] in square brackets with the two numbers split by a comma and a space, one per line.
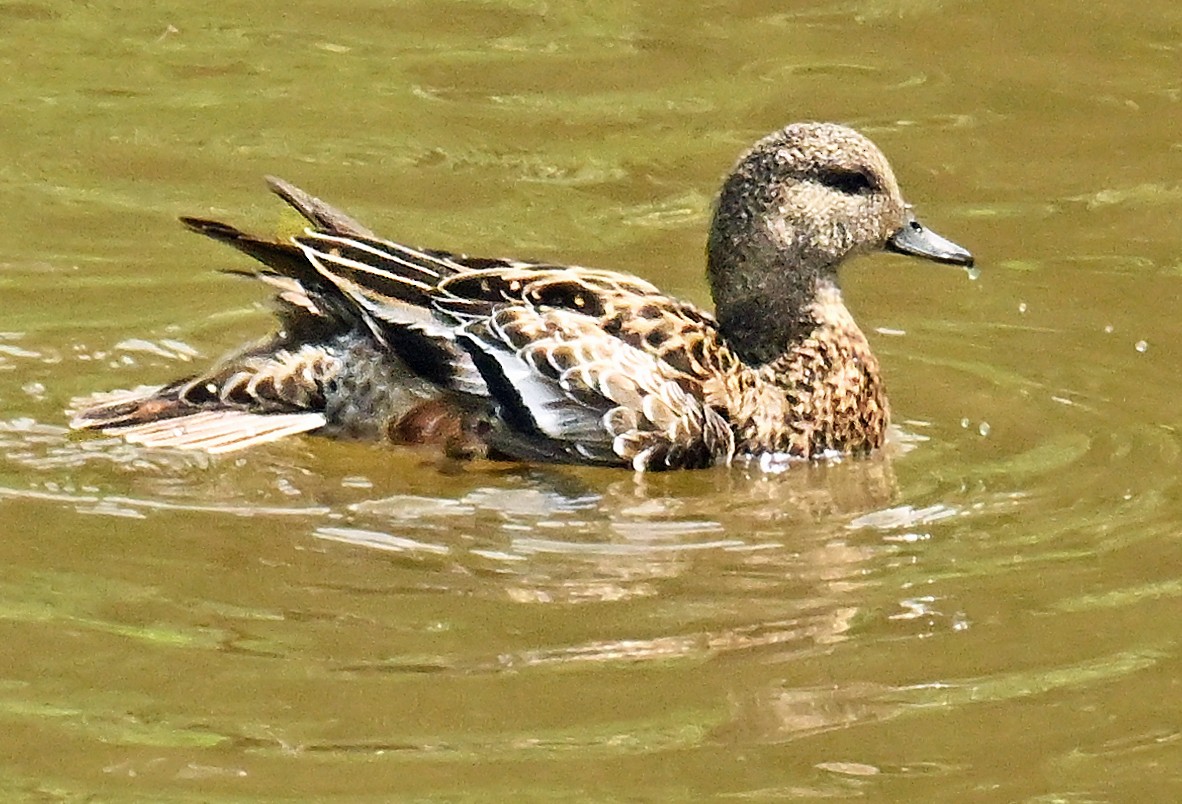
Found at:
[851, 182]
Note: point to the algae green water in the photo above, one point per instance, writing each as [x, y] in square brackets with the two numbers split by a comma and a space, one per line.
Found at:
[987, 611]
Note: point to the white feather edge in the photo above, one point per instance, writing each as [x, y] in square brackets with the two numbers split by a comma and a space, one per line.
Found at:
[418, 261]
[383, 307]
[219, 431]
[553, 411]
[467, 380]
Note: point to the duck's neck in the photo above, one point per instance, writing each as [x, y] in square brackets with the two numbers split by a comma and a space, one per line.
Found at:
[763, 305]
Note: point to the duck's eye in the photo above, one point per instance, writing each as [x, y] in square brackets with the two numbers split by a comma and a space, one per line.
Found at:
[851, 182]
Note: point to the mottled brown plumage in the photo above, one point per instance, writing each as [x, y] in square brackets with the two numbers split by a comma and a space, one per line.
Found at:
[547, 362]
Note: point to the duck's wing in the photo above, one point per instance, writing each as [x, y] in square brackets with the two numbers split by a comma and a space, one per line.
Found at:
[581, 364]
[566, 389]
[393, 288]
[598, 364]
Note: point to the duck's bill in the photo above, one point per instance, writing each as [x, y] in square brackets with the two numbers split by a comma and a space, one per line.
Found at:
[919, 241]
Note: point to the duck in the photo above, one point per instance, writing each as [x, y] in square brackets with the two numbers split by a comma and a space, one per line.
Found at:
[528, 361]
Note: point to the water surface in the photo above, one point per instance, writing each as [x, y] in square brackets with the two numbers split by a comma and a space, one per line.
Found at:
[987, 611]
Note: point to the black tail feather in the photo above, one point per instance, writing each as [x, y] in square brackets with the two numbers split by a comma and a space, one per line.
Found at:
[283, 258]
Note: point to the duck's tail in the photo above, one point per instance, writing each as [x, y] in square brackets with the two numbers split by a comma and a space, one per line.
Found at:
[340, 292]
[161, 417]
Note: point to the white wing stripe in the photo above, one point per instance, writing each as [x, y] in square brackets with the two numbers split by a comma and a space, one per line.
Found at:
[552, 411]
[315, 256]
[415, 259]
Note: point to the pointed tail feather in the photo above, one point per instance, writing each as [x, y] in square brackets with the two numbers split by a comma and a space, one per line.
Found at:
[325, 217]
[283, 258]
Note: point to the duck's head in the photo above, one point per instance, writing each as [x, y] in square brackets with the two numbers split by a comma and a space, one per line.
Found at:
[796, 205]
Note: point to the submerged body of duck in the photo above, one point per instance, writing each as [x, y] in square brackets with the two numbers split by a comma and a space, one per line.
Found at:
[533, 361]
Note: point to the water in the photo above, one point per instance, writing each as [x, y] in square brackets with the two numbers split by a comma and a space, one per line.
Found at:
[987, 611]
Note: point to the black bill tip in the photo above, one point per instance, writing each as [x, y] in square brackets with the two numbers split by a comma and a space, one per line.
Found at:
[917, 240]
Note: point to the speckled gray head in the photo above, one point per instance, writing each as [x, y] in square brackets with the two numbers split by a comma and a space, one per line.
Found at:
[797, 204]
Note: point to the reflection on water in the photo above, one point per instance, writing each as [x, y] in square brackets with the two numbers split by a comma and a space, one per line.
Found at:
[987, 611]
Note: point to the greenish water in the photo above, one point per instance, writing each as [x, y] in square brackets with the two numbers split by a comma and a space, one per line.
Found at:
[988, 611]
